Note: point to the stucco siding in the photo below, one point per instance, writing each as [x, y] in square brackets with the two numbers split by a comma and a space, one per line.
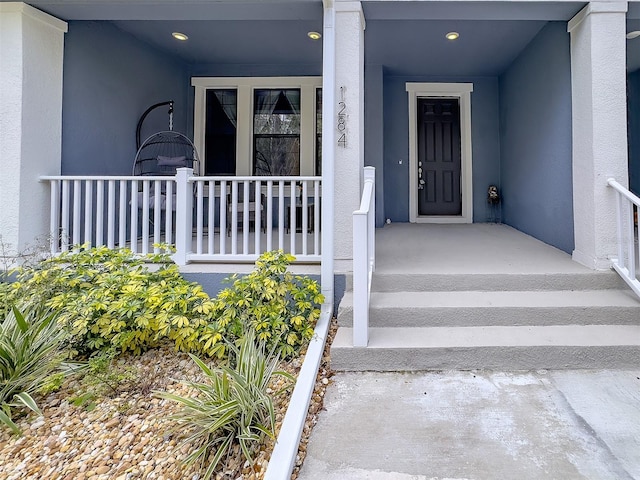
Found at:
[374, 132]
[535, 131]
[633, 85]
[484, 137]
[110, 79]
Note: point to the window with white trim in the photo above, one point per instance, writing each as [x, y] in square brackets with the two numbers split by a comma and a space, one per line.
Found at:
[258, 125]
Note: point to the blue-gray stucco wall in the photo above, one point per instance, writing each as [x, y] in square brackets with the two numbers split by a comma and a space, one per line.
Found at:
[484, 136]
[213, 283]
[374, 128]
[535, 132]
[110, 79]
[633, 83]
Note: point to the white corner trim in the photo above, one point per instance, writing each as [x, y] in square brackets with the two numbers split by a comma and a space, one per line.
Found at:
[346, 6]
[29, 11]
[596, 7]
[461, 91]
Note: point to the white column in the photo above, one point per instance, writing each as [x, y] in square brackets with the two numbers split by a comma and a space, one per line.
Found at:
[31, 52]
[349, 150]
[328, 148]
[599, 111]
[184, 215]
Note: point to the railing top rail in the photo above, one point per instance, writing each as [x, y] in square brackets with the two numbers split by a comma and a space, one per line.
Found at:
[623, 191]
[109, 177]
[367, 194]
[260, 178]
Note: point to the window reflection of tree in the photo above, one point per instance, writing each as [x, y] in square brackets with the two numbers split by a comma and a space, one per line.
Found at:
[277, 132]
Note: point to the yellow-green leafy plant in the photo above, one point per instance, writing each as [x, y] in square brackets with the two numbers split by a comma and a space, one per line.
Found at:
[31, 345]
[109, 298]
[280, 307]
[233, 405]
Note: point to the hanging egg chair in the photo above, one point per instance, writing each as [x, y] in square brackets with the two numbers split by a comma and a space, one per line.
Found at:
[164, 152]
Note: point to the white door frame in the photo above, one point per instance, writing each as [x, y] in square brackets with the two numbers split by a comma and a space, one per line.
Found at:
[462, 91]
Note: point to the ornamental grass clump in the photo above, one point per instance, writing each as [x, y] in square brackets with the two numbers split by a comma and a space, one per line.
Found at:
[232, 407]
[31, 352]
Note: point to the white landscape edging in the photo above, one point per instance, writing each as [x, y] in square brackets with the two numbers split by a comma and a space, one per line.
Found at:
[285, 451]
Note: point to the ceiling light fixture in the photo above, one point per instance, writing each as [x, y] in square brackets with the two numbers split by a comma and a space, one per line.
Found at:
[314, 35]
[180, 36]
[452, 36]
[632, 35]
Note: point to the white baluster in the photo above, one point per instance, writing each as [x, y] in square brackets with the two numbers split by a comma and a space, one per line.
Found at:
[281, 219]
[145, 216]
[134, 216]
[100, 213]
[55, 216]
[223, 217]
[316, 217]
[64, 231]
[305, 217]
[258, 216]
[77, 199]
[269, 215]
[122, 214]
[245, 217]
[211, 218]
[157, 213]
[88, 212]
[111, 214]
[234, 217]
[168, 213]
[292, 216]
[630, 239]
[199, 216]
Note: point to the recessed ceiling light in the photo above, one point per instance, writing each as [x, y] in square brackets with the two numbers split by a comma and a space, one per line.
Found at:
[180, 36]
[452, 35]
[314, 35]
[632, 35]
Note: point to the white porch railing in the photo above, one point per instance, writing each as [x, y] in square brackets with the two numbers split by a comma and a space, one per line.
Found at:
[628, 252]
[209, 219]
[364, 258]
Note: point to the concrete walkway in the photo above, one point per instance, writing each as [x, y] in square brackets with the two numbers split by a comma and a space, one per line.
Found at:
[478, 425]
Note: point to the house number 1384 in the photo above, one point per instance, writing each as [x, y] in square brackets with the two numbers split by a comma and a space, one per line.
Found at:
[342, 120]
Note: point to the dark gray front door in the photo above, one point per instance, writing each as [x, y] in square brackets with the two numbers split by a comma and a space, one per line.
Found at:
[439, 156]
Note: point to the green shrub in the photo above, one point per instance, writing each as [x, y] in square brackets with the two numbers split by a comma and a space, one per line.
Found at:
[108, 298]
[232, 407]
[30, 353]
[280, 307]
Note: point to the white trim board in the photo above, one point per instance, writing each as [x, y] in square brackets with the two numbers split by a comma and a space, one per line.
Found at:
[462, 91]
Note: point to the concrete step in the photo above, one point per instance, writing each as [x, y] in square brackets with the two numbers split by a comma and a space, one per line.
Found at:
[474, 308]
[489, 347]
[433, 282]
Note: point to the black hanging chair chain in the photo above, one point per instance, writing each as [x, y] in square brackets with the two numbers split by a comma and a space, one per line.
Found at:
[147, 112]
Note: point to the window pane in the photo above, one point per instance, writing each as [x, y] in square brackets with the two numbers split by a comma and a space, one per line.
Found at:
[276, 130]
[277, 155]
[220, 132]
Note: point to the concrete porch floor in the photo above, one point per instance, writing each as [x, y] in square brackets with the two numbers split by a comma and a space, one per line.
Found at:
[479, 248]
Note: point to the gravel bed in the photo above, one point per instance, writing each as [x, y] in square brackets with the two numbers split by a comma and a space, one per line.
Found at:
[128, 435]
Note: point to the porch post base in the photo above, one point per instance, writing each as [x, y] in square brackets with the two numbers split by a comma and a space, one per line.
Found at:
[591, 262]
